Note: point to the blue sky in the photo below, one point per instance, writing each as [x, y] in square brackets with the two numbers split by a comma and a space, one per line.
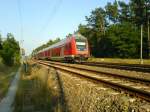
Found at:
[37, 21]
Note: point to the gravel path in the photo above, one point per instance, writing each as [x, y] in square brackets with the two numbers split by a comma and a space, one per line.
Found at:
[7, 101]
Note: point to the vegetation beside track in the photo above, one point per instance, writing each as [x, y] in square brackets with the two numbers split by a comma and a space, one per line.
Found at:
[10, 50]
[6, 75]
[119, 60]
[33, 93]
[84, 95]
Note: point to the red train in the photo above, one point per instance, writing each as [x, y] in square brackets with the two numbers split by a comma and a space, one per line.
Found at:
[73, 48]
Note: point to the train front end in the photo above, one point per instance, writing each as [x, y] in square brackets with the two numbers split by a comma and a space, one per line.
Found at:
[82, 48]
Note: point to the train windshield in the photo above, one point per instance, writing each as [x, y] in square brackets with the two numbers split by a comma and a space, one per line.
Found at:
[81, 44]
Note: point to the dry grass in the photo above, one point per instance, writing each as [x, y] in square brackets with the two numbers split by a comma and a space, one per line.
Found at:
[119, 60]
[33, 94]
[6, 75]
[52, 91]
[85, 96]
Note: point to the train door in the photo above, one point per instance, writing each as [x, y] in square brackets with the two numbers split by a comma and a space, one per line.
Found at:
[50, 53]
[62, 51]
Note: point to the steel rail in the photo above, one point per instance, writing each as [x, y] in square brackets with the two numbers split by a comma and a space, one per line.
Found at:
[100, 72]
[131, 67]
[77, 71]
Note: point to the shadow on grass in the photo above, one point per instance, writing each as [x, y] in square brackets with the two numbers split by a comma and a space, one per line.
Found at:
[62, 94]
[33, 95]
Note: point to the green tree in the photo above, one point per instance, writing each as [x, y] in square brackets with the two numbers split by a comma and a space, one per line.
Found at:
[97, 20]
[138, 8]
[11, 50]
[112, 12]
[114, 31]
[0, 42]
[125, 12]
[95, 29]
[125, 40]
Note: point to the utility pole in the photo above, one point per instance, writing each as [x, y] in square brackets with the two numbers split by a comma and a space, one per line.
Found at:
[148, 37]
[141, 54]
[21, 51]
[147, 5]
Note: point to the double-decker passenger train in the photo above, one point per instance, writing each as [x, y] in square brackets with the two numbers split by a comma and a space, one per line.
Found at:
[72, 48]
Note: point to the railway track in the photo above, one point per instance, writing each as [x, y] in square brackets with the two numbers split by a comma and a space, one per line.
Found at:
[130, 67]
[131, 85]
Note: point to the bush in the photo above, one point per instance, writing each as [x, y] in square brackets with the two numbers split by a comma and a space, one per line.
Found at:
[10, 50]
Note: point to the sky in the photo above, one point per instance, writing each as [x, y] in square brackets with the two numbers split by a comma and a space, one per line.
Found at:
[37, 21]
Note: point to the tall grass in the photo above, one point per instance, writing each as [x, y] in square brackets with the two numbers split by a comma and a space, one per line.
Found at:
[6, 75]
[33, 95]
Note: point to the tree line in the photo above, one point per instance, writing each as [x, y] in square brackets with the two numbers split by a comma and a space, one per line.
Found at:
[114, 31]
[9, 50]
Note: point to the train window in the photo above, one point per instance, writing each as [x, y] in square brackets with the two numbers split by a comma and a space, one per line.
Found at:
[81, 45]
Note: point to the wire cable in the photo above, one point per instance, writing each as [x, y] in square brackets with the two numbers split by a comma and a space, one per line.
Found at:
[21, 21]
[52, 14]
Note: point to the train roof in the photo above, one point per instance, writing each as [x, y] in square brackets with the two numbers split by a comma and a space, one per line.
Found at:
[54, 45]
[62, 42]
[79, 36]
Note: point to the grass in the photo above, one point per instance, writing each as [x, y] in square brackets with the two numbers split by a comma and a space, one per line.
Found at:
[32, 95]
[119, 60]
[6, 75]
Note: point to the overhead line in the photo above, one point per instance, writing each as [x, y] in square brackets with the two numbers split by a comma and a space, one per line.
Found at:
[21, 20]
[52, 14]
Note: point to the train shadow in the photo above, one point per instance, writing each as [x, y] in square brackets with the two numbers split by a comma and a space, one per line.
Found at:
[62, 99]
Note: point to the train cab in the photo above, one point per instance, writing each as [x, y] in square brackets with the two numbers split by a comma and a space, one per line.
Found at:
[82, 48]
